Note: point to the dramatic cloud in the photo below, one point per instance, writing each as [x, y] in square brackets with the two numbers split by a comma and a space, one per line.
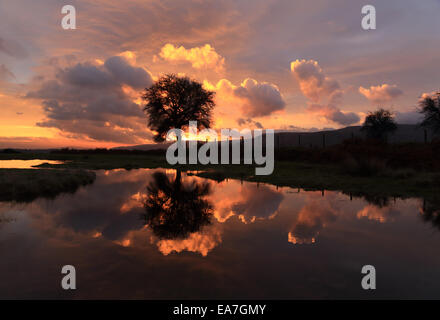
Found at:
[254, 99]
[261, 98]
[381, 94]
[199, 57]
[323, 91]
[314, 84]
[312, 218]
[123, 72]
[201, 242]
[96, 102]
[242, 33]
[251, 207]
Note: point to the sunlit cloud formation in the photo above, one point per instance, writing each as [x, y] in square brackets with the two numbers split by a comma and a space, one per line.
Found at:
[381, 93]
[252, 98]
[324, 92]
[199, 57]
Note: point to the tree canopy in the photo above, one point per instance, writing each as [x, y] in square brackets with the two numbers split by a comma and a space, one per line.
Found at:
[378, 124]
[430, 108]
[172, 101]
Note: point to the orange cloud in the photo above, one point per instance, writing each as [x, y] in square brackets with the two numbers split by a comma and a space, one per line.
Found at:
[314, 84]
[250, 99]
[199, 57]
[372, 212]
[382, 93]
[201, 242]
[323, 91]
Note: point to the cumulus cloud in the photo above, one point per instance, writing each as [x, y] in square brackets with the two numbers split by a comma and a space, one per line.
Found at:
[261, 98]
[96, 102]
[199, 57]
[200, 242]
[312, 218]
[381, 94]
[251, 207]
[324, 92]
[314, 84]
[255, 99]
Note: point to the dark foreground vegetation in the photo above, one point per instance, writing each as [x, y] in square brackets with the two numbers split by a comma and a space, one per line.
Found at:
[24, 185]
[370, 157]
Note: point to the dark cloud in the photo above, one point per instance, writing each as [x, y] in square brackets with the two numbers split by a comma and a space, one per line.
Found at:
[88, 101]
[108, 205]
[333, 113]
[249, 122]
[133, 76]
[293, 128]
[344, 118]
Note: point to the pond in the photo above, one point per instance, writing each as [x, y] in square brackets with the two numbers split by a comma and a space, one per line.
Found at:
[156, 234]
[25, 164]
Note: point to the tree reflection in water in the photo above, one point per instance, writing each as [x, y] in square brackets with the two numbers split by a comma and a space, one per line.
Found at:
[175, 209]
[431, 212]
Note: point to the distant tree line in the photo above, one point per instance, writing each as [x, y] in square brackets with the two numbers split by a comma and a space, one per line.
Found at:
[380, 123]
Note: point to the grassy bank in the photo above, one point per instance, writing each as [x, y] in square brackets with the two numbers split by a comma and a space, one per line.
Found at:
[368, 177]
[24, 185]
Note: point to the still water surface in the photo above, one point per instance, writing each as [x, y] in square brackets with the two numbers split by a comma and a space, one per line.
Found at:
[148, 234]
[25, 164]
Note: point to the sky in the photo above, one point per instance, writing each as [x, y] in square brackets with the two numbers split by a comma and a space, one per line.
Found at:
[277, 64]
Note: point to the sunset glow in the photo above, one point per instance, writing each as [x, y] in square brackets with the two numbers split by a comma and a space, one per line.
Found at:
[82, 88]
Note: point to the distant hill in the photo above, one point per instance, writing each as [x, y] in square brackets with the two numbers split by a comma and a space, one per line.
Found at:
[404, 133]
[144, 147]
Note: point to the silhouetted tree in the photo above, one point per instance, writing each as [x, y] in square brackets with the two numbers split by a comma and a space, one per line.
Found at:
[173, 209]
[430, 108]
[379, 124]
[172, 101]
